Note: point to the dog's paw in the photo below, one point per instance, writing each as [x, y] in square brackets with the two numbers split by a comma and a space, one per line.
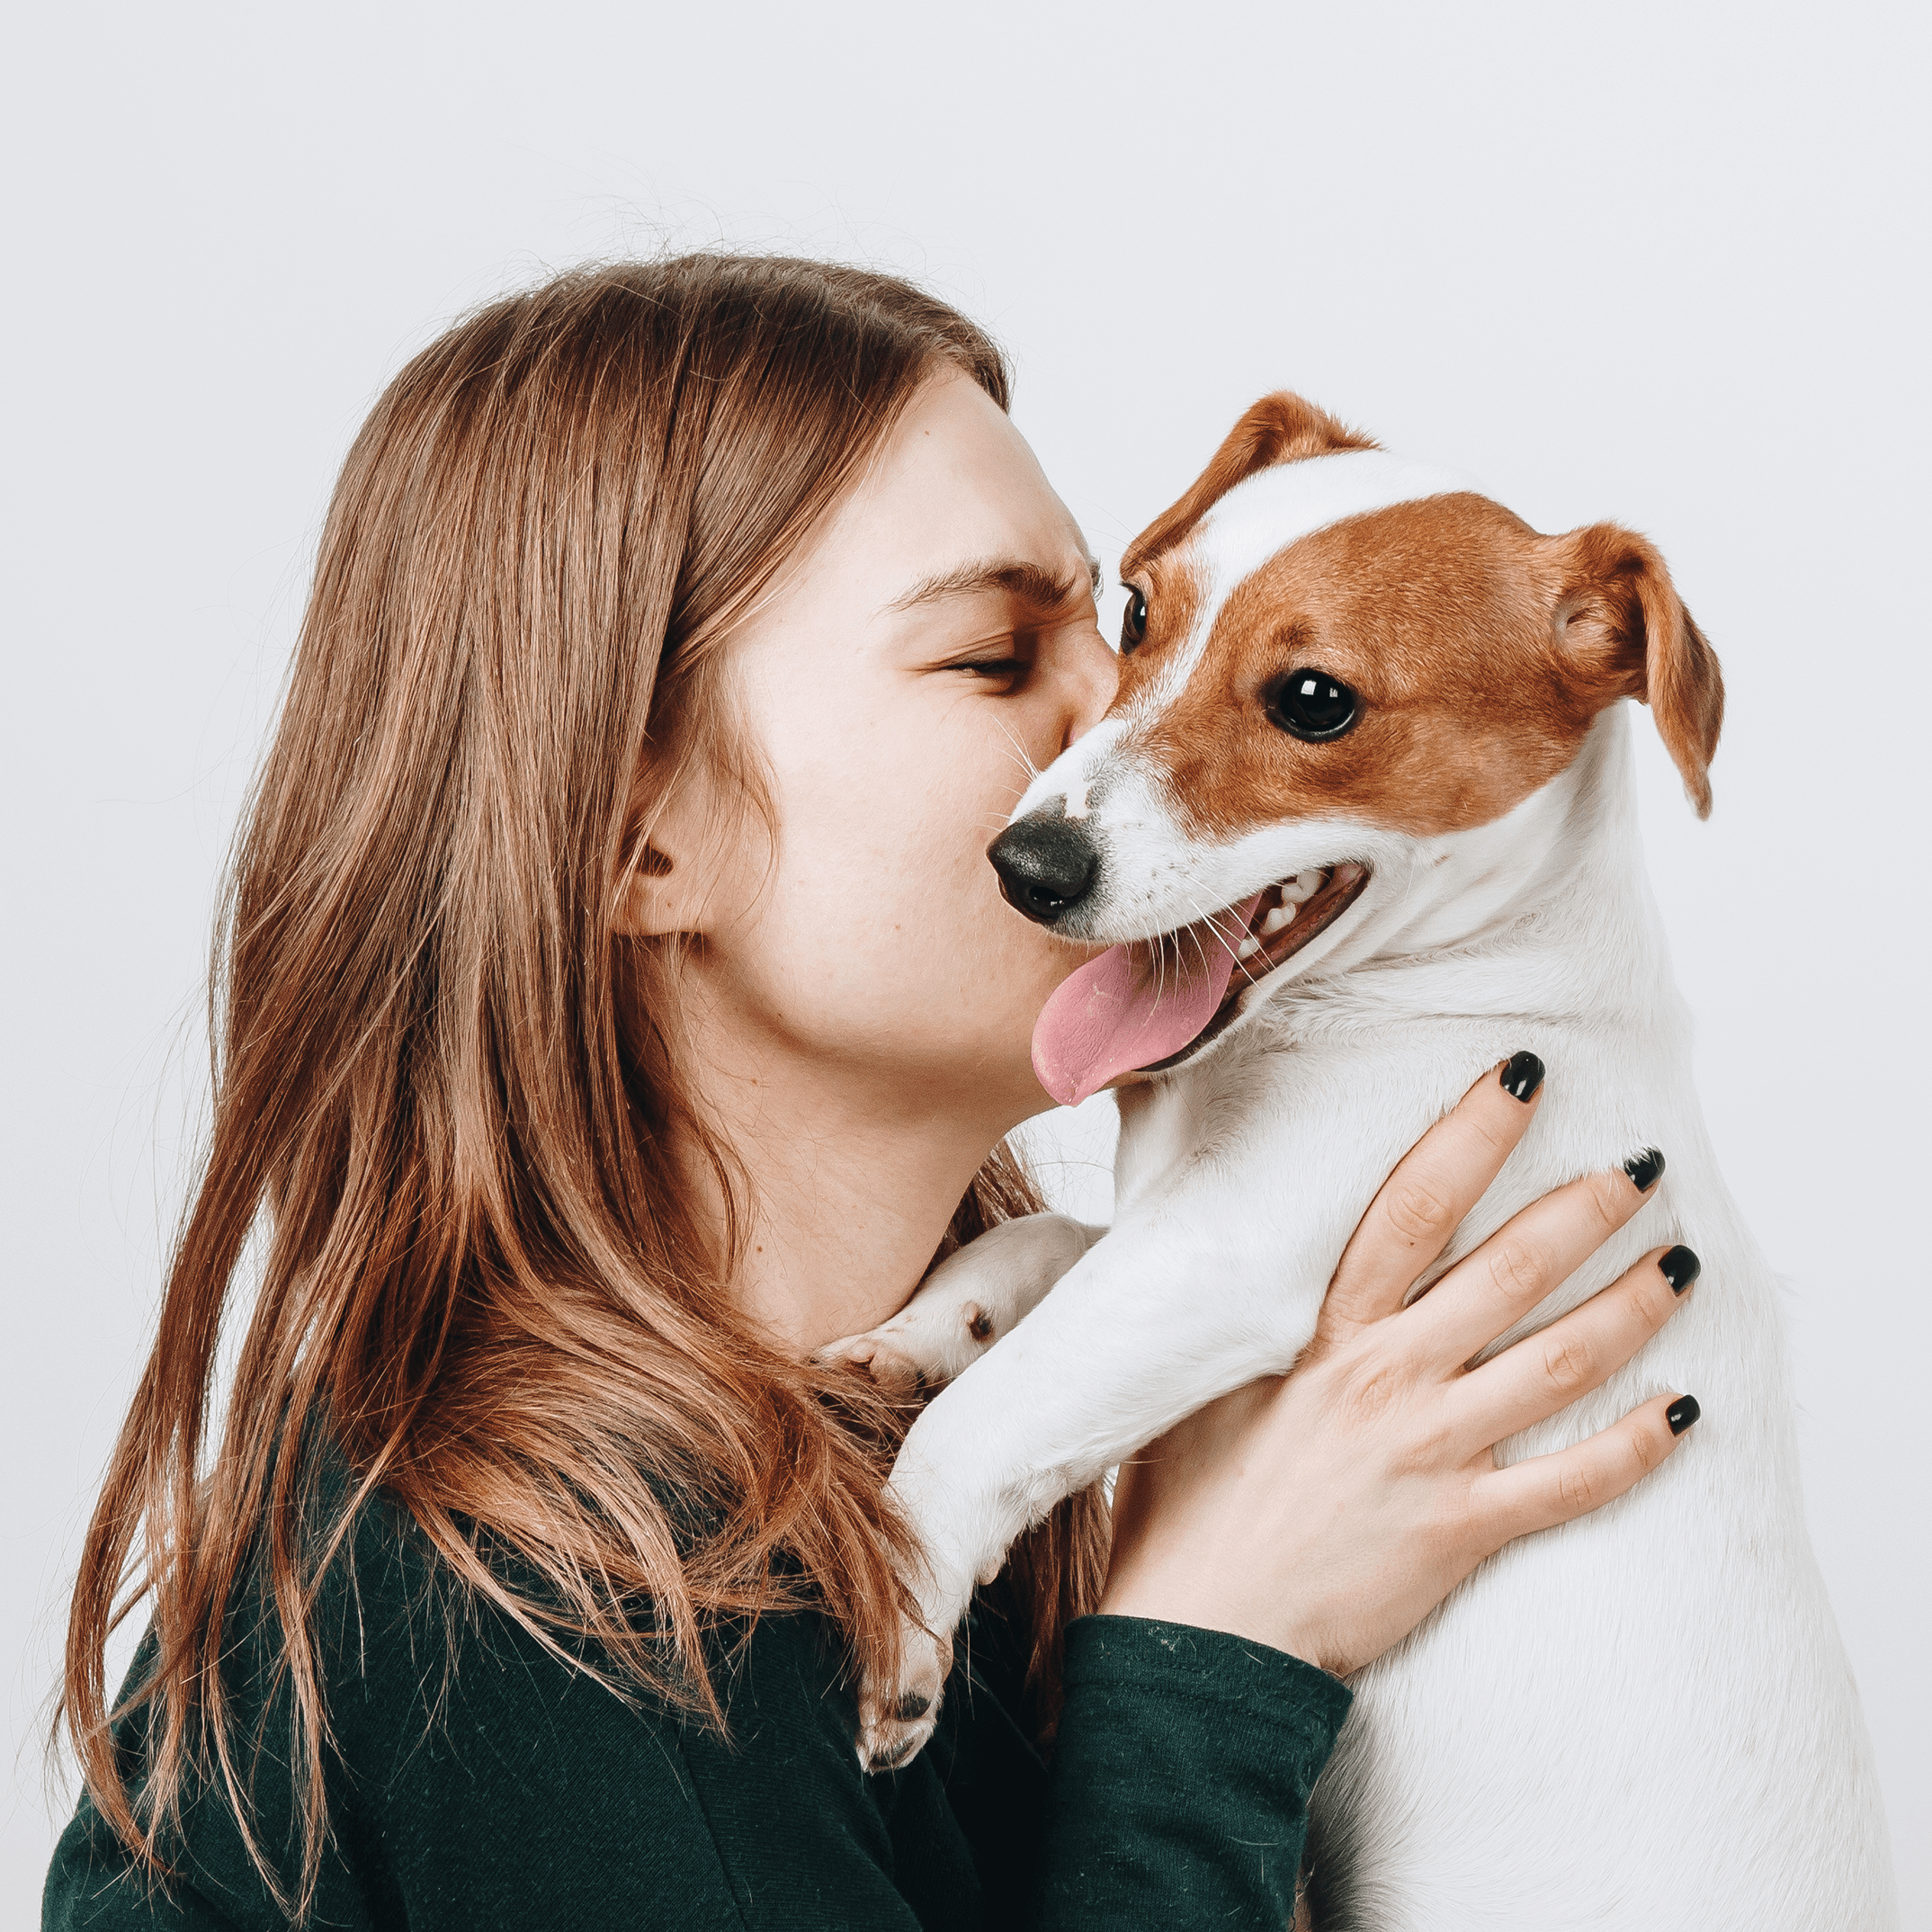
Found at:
[896, 1370]
[919, 1347]
[896, 1719]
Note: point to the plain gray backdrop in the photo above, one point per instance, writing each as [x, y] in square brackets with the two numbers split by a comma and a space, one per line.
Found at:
[1660, 264]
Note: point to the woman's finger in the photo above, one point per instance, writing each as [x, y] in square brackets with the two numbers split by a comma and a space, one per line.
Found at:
[1531, 1255]
[1544, 1490]
[1439, 1180]
[1548, 1371]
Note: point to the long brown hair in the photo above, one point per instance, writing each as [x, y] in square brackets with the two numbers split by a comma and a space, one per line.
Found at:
[445, 1094]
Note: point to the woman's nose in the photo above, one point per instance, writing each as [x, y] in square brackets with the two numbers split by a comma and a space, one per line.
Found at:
[1098, 675]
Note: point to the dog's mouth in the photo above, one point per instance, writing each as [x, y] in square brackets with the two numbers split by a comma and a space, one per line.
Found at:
[1286, 917]
[1154, 1004]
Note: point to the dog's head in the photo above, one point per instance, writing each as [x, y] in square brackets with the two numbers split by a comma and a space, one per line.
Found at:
[1330, 655]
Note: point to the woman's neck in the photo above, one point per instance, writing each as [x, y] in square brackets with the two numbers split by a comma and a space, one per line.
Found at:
[853, 1180]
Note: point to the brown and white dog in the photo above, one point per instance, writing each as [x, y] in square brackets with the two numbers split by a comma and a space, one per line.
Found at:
[1358, 824]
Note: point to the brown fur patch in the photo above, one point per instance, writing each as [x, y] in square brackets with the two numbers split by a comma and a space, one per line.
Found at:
[1622, 610]
[1480, 651]
[1174, 591]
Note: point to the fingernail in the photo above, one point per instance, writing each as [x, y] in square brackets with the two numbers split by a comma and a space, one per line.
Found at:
[1680, 1267]
[1644, 1169]
[1522, 1076]
[1682, 1413]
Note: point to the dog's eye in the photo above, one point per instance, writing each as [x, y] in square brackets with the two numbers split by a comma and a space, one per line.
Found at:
[1309, 704]
[1134, 621]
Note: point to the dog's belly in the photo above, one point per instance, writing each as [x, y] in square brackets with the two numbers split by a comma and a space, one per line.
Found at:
[1646, 1718]
[1643, 1719]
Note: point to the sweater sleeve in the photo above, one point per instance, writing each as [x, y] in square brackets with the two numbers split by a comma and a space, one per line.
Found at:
[1181, 1778]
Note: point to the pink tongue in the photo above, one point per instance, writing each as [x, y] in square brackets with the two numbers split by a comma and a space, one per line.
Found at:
[1117, 1013]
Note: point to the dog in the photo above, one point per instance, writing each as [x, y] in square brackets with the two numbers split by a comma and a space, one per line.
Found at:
[1359, 824]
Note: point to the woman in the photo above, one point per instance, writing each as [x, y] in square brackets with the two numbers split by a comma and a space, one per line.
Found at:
[617, 1008]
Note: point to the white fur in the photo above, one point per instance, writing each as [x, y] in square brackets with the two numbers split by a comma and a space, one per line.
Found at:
[1644, 1719]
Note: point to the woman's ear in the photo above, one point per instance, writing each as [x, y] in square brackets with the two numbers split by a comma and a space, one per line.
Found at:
[1625, 632]
[648, 905]
[669, 886]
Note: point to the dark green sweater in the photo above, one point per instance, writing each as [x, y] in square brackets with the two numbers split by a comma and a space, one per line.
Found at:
[478, 1782]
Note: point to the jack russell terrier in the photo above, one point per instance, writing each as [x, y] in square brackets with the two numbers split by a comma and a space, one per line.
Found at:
[1369, 768]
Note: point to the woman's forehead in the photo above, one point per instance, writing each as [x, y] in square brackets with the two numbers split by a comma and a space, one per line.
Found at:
[954, 504]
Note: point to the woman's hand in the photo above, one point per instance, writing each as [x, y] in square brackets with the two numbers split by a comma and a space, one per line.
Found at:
[1329, 1511]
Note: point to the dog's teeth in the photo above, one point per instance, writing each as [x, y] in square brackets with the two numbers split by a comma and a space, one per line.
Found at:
[1301, 888]
[1247, 948]
[1276, 919]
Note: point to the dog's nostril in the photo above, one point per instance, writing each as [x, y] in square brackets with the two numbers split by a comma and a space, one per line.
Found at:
[1046, 866]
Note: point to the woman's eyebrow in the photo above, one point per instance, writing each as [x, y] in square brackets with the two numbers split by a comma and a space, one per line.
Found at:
[1018, 576]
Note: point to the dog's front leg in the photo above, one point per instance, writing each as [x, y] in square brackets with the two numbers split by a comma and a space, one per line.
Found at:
[1143, 1331]
[968, 1302]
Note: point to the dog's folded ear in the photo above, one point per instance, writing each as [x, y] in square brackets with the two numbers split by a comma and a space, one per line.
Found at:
[1625, 633]
[1280, 428]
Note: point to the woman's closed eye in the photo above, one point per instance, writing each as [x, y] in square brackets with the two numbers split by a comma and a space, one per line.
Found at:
[984, 667]
[1005, 661]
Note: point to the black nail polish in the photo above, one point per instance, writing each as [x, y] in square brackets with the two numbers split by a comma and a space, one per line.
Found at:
[1522, 1075]
[1644, 1169]
[1680, 1267]
[1682, 1413]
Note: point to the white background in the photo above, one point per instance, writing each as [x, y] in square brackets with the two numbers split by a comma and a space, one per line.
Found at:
[1663, 264]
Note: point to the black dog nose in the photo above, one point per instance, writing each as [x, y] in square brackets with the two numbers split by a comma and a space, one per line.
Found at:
[1046, 866]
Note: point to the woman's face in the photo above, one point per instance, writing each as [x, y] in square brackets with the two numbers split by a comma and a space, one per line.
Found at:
[901, 680]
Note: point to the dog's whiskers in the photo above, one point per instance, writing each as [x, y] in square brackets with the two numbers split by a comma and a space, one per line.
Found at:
[1160, 968]
[1200, 950]
[1020, 755]
[1212, 921]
